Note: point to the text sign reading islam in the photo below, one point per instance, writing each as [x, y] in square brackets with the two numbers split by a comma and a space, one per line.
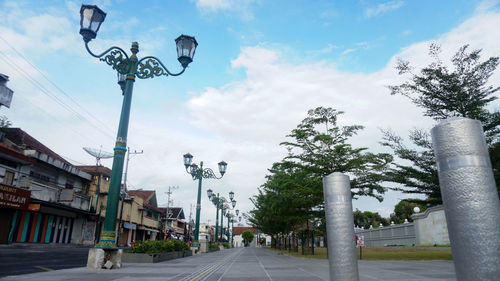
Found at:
[13, 197]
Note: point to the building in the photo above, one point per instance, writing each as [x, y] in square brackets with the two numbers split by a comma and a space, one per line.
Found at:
[148, 225]
[175, 226]
[58, 210]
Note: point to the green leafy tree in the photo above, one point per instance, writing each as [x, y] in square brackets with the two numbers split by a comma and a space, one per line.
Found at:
[443, 93]
[404, 209]
[247, 236]
[320, 147]
[366, 219]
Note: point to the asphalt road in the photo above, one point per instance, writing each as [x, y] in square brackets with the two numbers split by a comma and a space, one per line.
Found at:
[242, 264]
[16, 261]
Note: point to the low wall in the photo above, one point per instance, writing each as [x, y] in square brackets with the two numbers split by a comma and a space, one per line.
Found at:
[431, 227]
[427, 228]
[398, 234]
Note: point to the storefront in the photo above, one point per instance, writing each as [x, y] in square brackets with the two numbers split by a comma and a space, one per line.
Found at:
[12, 201]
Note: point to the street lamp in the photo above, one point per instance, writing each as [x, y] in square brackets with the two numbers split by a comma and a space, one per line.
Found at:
[128, 68]
[198, 173]
[237, 212]
[216, 201]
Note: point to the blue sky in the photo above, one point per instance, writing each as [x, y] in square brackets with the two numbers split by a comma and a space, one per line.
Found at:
[259, 66]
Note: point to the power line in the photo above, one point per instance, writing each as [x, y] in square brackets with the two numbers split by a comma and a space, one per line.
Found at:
[56, 86]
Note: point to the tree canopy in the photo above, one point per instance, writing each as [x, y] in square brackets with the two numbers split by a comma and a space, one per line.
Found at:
[293, 192]
[442, 92]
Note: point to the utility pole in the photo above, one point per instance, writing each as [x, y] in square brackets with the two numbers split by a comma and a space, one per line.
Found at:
[123, 192]
[169, 192]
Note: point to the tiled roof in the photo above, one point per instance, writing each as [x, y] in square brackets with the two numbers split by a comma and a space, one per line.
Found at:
[239, 229]
[91, 169]
[144, 194]
[24, 140]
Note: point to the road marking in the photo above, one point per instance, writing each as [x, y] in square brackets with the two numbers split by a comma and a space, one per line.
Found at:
[43, 268]
[234, 260]
[211, 269]
[263, 268]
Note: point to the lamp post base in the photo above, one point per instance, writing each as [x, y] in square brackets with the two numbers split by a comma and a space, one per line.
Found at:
[104, 258]
[107, 241]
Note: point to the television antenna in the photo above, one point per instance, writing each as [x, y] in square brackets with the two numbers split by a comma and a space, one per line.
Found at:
[98, 154]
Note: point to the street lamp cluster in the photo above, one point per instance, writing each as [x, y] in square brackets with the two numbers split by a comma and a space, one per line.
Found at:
[220, 203]
[128, 68]
[199, 173]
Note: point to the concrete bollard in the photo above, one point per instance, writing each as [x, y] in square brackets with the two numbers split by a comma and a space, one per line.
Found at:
[340, 228]
[470, 198]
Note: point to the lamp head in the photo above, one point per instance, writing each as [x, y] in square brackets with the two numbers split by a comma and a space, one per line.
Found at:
[186, 46]
[91, 18]
[222, 167]
[188, 158]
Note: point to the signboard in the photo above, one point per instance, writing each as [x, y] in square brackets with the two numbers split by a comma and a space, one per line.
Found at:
[360, 240]
[196, 244]
[67, 195]
[129, 225]
[13, 197]
[34, 207]
[5, 96]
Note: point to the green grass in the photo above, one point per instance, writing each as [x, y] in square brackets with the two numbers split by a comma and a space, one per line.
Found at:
[376, 253]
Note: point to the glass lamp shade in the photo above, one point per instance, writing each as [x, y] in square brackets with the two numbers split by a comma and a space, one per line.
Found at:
[233, 203]
[231, 195]
[239, 219]
[91, 18]
[222, 167]
[188, 158]
[209, 193]
[237, 212]
[193, 169]
[186, 46]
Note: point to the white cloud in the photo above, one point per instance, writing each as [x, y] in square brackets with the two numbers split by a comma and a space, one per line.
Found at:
[383, 8]
[251, 117]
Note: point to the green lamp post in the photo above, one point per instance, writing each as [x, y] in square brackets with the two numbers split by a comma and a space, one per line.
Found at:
[128, 68]
[198, 173]
[215, 200]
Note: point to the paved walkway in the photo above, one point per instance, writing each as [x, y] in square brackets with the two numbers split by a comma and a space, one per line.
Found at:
[250, 264]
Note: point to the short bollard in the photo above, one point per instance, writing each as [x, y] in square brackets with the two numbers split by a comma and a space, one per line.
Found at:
[470, 198]
[340, 228]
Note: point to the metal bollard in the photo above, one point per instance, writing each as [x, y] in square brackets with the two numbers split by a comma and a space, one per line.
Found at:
[470, 198]
[340, 228]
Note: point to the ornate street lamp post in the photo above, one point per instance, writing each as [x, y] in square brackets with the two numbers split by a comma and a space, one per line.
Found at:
[216, 201]
[198, 173]
[128, 69]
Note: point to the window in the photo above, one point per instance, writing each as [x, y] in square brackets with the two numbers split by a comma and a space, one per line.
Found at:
[8, 178]
[69, 184]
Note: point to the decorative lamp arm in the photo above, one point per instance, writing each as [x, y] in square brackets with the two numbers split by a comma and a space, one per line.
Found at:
[149, 67]
[209, 174]
[117, 58]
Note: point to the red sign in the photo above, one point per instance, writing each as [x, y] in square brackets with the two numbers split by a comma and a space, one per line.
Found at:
[13, 197]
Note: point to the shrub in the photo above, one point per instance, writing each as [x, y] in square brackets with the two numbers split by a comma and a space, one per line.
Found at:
[226, 245]
[154, 247]
[213, 246]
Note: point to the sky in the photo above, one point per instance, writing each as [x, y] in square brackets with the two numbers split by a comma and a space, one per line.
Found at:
[259, 67]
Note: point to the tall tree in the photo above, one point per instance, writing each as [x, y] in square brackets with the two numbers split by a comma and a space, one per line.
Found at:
[320, 147]
[443, 93]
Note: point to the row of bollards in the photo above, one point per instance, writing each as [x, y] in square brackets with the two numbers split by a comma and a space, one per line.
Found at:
[469, 195]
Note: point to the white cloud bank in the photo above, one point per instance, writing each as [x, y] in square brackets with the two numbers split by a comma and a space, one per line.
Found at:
[383, 8]
[253, 116]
